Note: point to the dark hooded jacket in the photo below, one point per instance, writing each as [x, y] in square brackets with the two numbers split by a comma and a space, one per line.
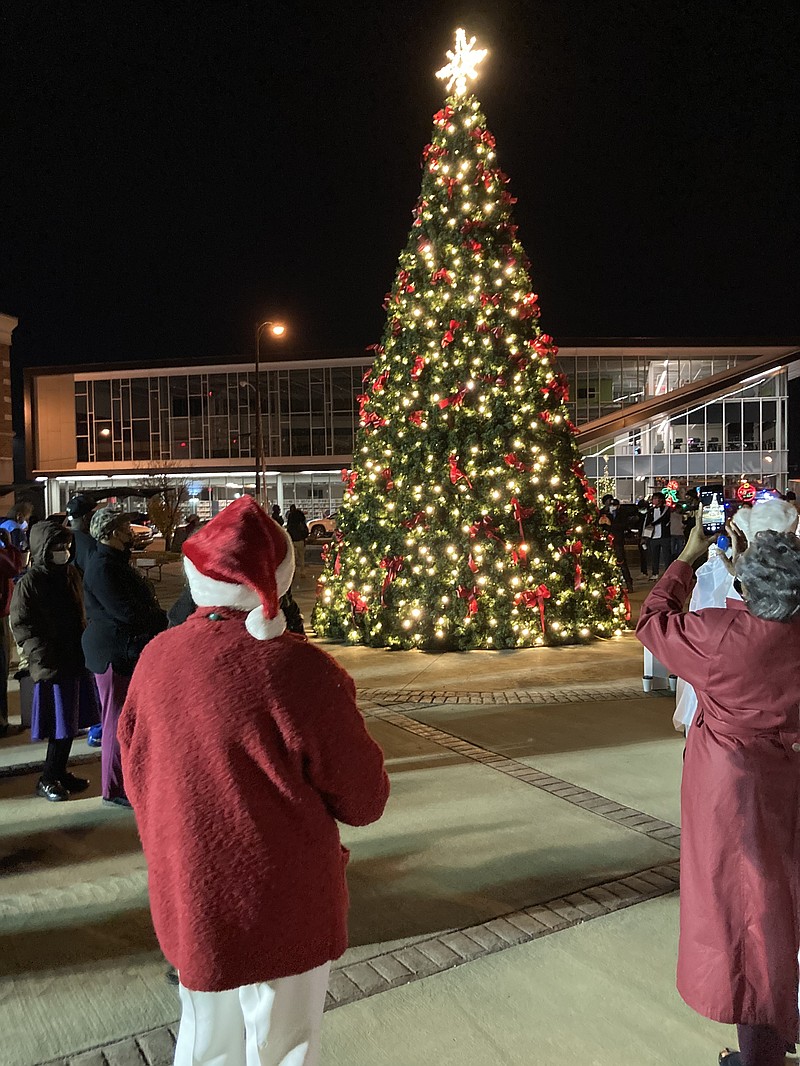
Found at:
[47, 617]
[121, 610]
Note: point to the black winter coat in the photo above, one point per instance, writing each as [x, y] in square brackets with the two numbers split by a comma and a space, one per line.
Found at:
[47, 617]
[121, 610]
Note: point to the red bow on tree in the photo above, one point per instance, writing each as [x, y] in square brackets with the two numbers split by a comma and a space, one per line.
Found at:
[486, 526]
[472, 564]
[520, 514]
[507, 198]
[497, 332]
[483, 174]
[379, 384]
[414, 521]
[402, 277]
[373, 421]
[471, 224]
[433, 151]
[450, 334]
[456, 474]
[392, 565]
[442, 275]
[472, 245]
[397, 327]
[494, 300]
[455, 400]
[388, 481]
[363, 400]
[483, 137]
[443, 116]
[519, 556]
[558, 387]
[472, 596]
[543, 345]
[337, 563]
[349, 477]
[589, 493]
[575, 549]
[450, 184]
[418, 367]
[378, 349]
[534, 598]
[357, 602]
[528, 306]
[415, 418]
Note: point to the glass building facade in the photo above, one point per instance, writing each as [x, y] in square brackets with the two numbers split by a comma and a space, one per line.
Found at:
[201, 422]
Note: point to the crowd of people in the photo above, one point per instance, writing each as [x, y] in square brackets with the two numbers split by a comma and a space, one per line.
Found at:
[239, 776]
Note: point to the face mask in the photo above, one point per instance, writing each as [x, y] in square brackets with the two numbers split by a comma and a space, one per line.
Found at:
[60, 558]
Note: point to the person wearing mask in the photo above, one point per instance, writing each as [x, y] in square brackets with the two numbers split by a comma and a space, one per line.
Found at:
[12, 564]
[123, 614]
[297, 529]
[237, 782]
[79, 513]
[656, 531]
[740, 793]
[47, 620]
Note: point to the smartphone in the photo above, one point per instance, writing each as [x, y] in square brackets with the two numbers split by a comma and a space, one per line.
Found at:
[712, 498]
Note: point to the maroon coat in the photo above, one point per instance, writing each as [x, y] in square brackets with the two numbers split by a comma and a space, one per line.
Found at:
[740, 805]
[239, 756]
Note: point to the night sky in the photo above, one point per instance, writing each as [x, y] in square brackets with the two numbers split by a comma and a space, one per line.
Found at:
[173, 172]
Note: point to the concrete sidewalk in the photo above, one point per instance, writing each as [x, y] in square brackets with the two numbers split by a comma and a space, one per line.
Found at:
[516, 904]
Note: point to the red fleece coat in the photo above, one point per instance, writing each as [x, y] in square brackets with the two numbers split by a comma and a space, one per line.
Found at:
[740, 805]
[239, 755]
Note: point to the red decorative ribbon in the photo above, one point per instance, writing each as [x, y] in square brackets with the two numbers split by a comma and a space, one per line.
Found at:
[455, 400]
[418, 367]
[494, 300]
[379, 384]
[486, 526]
[483, 137]
[443, 116]
[397, 327]
[414, 521]
[528, 307]
[357, 602]
[472, 564]
[472, 224]
[456, 474]
[433, 151]
[612, 592]
[363, 400]
[558, 387]
[575, 549]
[349, 477]
[415, 418]
[442, 275]
[519, 556]
[483, 174]
[589, 493]
[337, 564]
[378, 349]
[392, 565]
[450, 184]
[507, 198]
[544, 345]
[373, 421]
[388, 481]
[471, 595]
[450, 334]
[520, 514]
[534, 598]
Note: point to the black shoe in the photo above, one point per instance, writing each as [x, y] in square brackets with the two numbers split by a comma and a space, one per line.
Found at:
[51, 790]
[18, 675]
[171, 976]
[74, 784]
[118, 801]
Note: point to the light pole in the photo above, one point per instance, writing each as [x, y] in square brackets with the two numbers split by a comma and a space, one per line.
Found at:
[277, 329]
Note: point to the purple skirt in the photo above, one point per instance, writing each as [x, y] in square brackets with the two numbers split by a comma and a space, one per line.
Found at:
[62, 708]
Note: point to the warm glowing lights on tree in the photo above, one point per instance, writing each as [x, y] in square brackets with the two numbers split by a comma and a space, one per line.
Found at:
[467, 519]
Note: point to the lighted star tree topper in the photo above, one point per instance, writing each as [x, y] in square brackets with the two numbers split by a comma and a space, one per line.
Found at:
[467, 520]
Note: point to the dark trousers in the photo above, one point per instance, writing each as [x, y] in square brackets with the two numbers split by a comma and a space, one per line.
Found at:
[760, 1045]
[55, 761]
[657, 551]
[622, 560]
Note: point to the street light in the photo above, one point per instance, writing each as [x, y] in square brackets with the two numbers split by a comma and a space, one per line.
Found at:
[276, 329]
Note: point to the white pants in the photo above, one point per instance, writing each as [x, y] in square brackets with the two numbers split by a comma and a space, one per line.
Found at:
[275, 1023]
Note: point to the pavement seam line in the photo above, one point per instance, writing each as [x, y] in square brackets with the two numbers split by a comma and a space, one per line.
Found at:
[352, 982]
[592, 802]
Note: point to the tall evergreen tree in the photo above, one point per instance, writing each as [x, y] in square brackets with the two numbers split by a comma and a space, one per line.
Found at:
[468, 521]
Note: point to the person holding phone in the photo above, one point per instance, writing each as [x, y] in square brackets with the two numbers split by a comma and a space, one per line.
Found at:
[740, 792]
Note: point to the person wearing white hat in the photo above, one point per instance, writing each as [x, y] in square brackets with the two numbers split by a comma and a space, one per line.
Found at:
[242, 746]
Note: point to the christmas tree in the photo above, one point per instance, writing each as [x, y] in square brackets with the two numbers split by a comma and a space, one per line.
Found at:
[468, 521]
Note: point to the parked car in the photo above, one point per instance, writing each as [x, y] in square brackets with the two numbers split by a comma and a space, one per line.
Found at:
[322, 528]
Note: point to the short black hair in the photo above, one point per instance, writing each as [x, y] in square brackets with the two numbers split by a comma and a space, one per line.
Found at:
[607, 497]
[791, 496]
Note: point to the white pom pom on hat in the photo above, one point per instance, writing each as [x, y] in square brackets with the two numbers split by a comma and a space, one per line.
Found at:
[769, 513]
[242, 559]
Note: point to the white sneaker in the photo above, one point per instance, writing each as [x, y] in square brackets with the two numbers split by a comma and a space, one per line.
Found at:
[654, 577]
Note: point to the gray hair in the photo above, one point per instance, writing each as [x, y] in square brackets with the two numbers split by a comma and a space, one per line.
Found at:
[770, 573]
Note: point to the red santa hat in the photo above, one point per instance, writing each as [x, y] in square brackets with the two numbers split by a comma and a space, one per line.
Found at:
[242, 559]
